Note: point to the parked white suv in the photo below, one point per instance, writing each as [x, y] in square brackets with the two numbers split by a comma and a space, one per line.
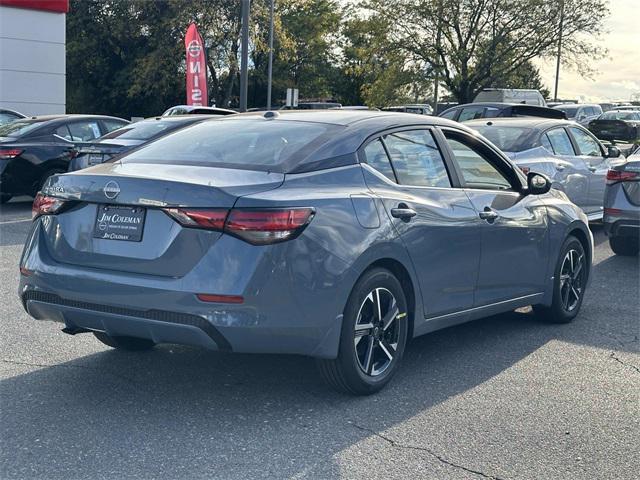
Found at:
[511, 95]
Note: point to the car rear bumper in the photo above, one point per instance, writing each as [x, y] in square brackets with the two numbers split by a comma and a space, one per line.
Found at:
[283, 311]
[621, 227]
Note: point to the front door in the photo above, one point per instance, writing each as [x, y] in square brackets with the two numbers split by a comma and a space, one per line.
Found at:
[437, 223]
[513, 230]
[590, 151]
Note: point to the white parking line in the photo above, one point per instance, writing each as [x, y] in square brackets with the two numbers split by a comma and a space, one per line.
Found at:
[9, 222]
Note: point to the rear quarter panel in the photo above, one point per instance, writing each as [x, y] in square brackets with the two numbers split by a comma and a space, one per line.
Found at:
[336, 247]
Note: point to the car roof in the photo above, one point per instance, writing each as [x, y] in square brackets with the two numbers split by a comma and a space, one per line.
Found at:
[350, 117]
[73, 116]
[494, 104]
[523, 122]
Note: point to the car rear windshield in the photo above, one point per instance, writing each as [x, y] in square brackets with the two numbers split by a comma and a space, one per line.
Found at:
[140, 130]
[250, 143]
[19, 127]
[507, 139]
[628, 115]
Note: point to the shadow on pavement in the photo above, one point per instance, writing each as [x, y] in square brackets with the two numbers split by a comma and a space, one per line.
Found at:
[178, 412]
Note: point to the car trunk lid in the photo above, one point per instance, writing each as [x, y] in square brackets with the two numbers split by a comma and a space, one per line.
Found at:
[137, 193]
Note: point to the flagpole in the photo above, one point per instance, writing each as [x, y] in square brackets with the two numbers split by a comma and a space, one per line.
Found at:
[270, 74]
[244, 71]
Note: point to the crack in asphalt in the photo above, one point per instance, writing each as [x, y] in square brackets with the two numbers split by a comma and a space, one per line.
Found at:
[29, 364]
[440, 458]
[613, 355]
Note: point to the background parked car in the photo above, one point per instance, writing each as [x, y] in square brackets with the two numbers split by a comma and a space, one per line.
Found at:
[511, 95]
[623, 125]
[473, 111]
[7, 116]
[32, 149]
[195, 110]
[569, 154]
[581, 113]
[622, 206]
[418, 108]
[129, 137]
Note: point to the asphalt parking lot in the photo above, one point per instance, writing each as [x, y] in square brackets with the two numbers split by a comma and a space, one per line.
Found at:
[505, 397]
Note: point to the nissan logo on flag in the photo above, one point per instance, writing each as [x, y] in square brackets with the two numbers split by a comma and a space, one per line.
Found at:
[196, 68]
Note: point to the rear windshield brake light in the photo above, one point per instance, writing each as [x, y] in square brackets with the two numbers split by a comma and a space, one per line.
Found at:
[256, 226]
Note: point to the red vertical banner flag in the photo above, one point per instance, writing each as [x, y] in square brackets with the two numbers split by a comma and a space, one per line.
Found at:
[196, 68]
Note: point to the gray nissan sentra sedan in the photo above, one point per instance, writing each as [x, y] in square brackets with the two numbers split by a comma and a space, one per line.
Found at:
[339, 235]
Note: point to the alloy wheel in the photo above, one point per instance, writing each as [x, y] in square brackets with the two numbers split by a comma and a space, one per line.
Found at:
[377, 332]
[571, 279]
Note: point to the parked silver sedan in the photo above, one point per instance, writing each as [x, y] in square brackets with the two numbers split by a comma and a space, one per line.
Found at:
[569, 154]
[622, 206]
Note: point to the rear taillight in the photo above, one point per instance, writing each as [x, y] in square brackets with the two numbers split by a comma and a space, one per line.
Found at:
[212, 219]
[614, 176]
[9, 153]
[255, 226]
[44, 205]
[261, 227]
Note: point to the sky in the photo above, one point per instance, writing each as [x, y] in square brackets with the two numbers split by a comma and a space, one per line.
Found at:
[618, 75]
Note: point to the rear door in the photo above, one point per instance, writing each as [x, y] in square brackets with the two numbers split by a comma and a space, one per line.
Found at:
[591, 152]
[436, 222]
[514, 240]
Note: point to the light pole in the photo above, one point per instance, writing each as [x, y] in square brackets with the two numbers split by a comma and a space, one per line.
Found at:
[555, 94]
[270, 74]
[244, 59]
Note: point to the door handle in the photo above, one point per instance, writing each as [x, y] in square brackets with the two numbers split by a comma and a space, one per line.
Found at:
[489, 215]
[593, 169]
[560, 167]
[403, 212]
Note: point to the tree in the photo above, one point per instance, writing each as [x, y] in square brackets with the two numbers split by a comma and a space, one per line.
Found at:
[486, 41]
[374, 71]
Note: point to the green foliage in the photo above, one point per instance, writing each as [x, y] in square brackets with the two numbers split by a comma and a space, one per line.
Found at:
[126, 57]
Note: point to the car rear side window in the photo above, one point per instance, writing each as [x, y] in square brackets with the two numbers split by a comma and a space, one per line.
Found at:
[376, 156]
[471, 113]
[112, 125]
[416, 159]
[544, 141]
[451, 114]
[63, 131]
[250, 143]
[560, 142]
[84, 131]
[586, 144]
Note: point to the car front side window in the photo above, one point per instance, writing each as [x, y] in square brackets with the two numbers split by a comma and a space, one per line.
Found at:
[586, 144]
[478, 170]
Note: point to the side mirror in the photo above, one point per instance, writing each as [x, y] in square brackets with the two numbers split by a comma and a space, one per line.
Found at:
[537, 183]
[613, 151]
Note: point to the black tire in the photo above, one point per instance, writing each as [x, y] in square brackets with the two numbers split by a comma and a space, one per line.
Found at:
[125, 343]
[4, 198]
[347, 372]
[626, 246]
[566, 306]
